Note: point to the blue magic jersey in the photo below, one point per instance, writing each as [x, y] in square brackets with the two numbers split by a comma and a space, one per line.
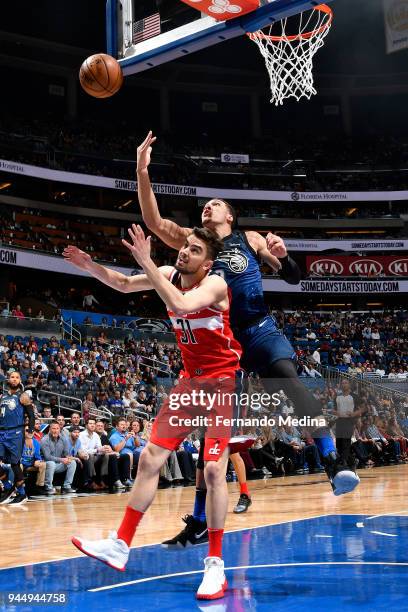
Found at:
[11, 411]
[238, 264]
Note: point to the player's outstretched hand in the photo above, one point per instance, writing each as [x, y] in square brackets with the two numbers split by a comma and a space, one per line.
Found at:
[140, 247]
[144, 152]
[76, 257]
[276, 246]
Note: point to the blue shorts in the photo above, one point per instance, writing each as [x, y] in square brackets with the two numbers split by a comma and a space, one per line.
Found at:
[263, 344]
[11, 445]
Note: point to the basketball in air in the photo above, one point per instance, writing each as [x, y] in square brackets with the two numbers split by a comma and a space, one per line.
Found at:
[101, 76]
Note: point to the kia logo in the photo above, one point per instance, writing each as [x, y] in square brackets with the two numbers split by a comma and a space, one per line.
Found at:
[326, 267]
[366, 267]
[399, 267]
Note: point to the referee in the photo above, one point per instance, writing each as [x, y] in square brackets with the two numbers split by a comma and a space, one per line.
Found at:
[346, 415]
[14, 406]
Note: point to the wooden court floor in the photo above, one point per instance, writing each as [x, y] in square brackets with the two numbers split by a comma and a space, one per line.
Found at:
[41, 530]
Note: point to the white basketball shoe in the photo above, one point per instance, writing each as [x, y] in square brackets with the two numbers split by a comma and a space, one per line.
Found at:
[112, 551]
[214, 583]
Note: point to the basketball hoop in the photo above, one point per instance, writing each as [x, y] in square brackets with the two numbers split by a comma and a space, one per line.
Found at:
[289, 58]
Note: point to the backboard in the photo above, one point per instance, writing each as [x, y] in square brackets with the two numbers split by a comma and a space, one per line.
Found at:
[176, 30]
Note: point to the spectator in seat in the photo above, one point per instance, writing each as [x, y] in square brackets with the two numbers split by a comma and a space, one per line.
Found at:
[362, 446]
[148, 376]
[185, 459]
[89, 300]
[94, 375]
[264, 454]
[121, 379]
[38, 430]
[316, 356]
[306, 452]
[75, 420]
[81, 381]
[396, 431]
[61, 422]
[394, 447]
[31, 458]
[161, 396]
[119, 465]
[85, 465]
[286, 446]
[81, 457]
[39, 363]
[53, 405]
[46, 413]
[17, 312]
[144, 400]
[25, 371]
[56, 452]
[98, 455]
[115, 403]
[123, 442]
[127, 399]
[135, 427]
[5, 311]
[372, 433]
[88, 407]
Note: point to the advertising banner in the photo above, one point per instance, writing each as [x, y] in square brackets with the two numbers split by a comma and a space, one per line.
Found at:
[190, 191]
[371, 266]
[396, 24]
[49, 263]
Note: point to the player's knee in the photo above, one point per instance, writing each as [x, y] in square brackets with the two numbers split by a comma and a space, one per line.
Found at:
[151, 459]
[213, 473]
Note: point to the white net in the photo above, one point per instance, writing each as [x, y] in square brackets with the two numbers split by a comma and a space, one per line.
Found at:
[289, 57]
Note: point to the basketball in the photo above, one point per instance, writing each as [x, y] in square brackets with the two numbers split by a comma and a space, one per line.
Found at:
[101, 76]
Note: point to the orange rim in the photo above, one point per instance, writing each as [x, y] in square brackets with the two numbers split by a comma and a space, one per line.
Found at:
[323, 8]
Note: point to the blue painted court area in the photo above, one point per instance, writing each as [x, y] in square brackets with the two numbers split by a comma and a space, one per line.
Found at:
[335, 562]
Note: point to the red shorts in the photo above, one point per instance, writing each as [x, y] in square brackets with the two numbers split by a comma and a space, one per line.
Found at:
[213, 449]
[176, 420]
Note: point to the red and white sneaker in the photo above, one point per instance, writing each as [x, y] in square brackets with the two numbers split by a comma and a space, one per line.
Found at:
[214, 583]
[112, 551]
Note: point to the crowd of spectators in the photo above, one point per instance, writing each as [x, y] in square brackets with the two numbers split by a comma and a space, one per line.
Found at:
[301, 211]
[51, 233]
[36, 230]
[116, 376]
[358, 343]
[100, 454]
[352, 342]
[378, 433]
[119, 388]
[93, 147]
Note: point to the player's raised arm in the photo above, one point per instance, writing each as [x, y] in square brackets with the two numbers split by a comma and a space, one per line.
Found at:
[112, 278]
[212, 291]
[272, 251]
[172, 234]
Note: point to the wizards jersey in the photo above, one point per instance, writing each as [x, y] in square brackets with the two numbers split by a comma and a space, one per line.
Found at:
[238, 264]
[205, 339]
